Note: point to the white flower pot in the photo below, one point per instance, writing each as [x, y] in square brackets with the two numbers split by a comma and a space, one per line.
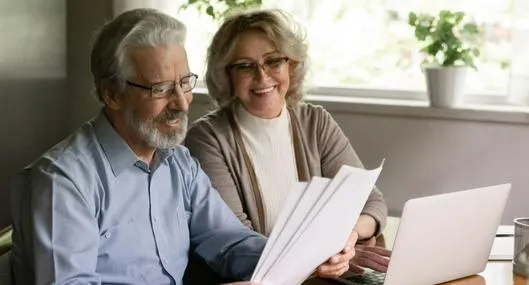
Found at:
[446, 85]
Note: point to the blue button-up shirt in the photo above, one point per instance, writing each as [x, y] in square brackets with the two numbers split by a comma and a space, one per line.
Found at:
[89, 211]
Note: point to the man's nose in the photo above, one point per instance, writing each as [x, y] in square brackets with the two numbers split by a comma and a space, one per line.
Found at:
[181, 100]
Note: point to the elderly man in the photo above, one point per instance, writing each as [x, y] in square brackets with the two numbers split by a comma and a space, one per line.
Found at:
[120, 201]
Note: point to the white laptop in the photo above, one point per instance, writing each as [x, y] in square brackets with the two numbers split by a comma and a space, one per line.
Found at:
[443, 237]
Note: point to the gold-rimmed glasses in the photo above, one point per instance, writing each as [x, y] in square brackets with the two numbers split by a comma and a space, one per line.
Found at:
[270, 65]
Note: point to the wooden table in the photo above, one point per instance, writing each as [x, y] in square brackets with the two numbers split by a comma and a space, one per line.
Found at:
[496, 272]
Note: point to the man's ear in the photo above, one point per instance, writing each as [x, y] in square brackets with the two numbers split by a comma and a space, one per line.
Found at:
[110, 96]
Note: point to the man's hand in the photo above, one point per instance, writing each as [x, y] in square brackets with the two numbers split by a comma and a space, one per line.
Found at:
[339, 263]
[370, 256]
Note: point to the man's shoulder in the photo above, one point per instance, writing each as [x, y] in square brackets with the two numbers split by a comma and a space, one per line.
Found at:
[78, 149]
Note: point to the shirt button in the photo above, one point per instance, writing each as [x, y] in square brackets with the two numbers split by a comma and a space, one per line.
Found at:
[108, 235]
[164, 261]
[154, 219]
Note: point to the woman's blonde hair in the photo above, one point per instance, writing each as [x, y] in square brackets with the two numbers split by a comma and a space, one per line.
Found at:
[278, 27]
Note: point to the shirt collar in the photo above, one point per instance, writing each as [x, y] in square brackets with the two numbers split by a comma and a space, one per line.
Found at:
[118, 152]
[162, 154]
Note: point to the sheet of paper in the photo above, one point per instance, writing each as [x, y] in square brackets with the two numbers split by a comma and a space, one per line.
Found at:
[323, 192]
[502, 248]
[290, 204]
[319, 231]
[288, 223]
[324, 197]
[328, 232]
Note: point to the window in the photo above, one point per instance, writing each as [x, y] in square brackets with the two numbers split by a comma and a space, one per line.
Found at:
[368, 45]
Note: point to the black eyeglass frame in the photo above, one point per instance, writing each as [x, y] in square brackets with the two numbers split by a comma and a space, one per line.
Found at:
[172, 84]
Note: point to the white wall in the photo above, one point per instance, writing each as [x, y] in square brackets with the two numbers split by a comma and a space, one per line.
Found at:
[430, 156]
[426, 156]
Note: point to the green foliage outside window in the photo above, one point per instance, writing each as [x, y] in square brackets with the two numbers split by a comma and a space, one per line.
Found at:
[217, 9]
[450, 38]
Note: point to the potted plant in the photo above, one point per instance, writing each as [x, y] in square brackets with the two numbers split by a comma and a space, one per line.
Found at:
[217, 9]
[450, 46]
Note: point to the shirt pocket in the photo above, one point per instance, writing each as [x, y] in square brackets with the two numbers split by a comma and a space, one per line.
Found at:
[119, 249]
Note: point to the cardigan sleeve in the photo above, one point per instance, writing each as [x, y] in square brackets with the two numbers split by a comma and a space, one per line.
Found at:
[336, 150]
[203, 144]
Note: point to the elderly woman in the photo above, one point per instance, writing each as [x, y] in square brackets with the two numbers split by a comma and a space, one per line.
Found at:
[263, 139]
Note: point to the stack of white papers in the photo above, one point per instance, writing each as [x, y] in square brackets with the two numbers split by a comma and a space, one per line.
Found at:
[314, 224]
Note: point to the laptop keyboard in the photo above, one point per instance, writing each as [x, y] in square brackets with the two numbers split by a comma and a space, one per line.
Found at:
[368, 278]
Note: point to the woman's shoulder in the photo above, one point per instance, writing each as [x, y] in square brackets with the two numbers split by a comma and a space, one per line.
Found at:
[212, 128]
[213, 120]
[309, 112]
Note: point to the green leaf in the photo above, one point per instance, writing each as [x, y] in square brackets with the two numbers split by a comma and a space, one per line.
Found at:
[421, 33]
[471, 28]
[444, 14]
[412, 19]
[458, 17]
[217, 9]
[210, 11]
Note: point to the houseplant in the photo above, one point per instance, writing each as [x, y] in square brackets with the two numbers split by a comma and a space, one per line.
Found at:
[450, 42]
[217, 9]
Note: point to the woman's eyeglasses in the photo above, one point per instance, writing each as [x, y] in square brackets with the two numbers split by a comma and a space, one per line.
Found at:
[249, 68]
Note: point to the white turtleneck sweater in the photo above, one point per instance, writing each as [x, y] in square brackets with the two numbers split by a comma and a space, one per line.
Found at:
[269, 145]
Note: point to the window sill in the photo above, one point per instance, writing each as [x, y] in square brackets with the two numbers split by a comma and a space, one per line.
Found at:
[409, 108]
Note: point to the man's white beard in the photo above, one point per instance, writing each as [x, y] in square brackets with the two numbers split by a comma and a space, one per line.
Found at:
[148, 130]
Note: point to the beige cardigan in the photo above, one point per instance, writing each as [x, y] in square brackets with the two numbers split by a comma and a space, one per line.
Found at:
[321, 149]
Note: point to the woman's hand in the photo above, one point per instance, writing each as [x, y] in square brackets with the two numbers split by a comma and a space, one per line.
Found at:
[338, 264]
[366, 227]
[369, 255]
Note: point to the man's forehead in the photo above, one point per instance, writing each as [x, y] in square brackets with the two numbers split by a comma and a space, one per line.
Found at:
[160, 63]
[162, 49]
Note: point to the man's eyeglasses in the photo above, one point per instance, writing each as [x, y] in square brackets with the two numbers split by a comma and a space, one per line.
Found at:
[165, 89]
[249, 68]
